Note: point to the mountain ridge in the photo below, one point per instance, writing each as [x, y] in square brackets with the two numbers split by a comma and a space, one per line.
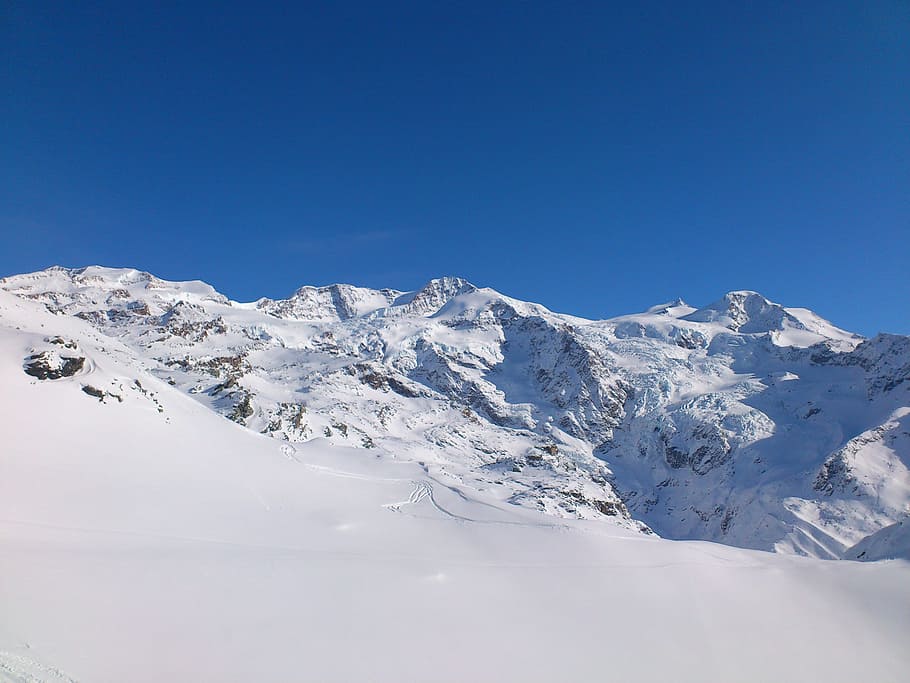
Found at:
[727, 422]
[394, 296]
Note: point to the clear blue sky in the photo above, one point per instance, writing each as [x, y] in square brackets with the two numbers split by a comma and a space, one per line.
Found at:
[595, 157]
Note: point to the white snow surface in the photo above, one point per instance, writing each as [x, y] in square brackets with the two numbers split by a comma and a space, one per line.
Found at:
[892, 542]
[146, 538]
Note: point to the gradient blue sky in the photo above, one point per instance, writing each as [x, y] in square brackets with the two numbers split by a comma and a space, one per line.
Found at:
[595, 157]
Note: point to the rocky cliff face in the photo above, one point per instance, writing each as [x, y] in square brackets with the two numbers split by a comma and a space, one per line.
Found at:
[744, 422]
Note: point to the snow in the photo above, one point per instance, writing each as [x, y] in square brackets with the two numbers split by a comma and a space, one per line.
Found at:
[750, 313]
[891, 542]
[744, 422]
[150, 539]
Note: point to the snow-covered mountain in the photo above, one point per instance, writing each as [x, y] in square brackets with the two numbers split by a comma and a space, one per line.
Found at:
[743, 422]
[144, 537]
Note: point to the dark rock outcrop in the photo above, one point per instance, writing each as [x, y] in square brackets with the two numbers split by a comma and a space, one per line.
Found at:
[48, 365]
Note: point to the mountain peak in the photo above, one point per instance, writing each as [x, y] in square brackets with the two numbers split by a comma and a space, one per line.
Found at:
[448, 283]
[749, 312]
[434, 295]
[675, 308]
[745, 311]
[328, 303]
[98, 283]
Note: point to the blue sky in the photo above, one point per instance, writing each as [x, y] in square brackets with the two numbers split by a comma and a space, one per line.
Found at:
[595, 157]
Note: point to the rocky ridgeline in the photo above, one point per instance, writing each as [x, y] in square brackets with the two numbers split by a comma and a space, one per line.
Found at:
[744, 421]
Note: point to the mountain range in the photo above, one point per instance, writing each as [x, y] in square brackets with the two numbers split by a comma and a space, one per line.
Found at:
[743, 422]
[442, 485]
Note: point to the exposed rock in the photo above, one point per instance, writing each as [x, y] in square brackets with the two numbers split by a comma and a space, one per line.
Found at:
[94, 391]
[242, 409]
[50, 365]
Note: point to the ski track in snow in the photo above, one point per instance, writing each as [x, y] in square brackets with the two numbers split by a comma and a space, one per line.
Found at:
[425, 490]
[421, 490]
[290, 452]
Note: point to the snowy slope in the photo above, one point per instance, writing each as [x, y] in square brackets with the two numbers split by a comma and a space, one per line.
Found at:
[146, 538]
[892, 542]
[744, 421]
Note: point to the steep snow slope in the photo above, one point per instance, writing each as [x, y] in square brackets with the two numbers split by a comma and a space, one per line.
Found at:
[145, 538]
[892, 542]
[744, 421]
